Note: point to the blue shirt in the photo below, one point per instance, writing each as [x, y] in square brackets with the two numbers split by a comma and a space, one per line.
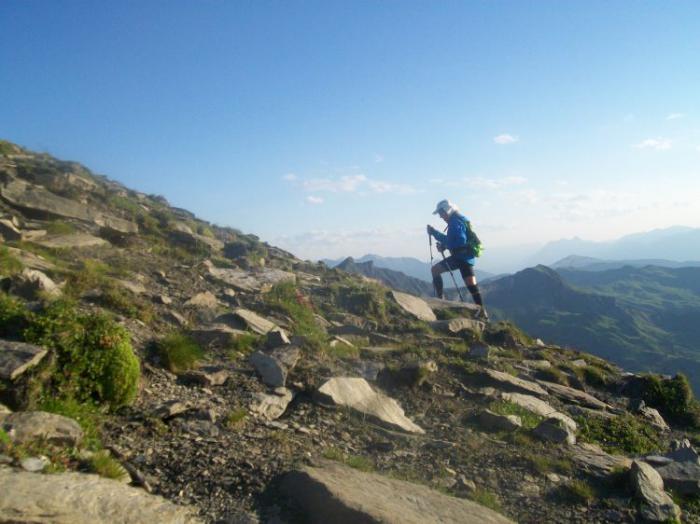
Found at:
[457, 236]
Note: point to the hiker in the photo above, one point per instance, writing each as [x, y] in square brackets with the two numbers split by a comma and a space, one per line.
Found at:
[461, 257]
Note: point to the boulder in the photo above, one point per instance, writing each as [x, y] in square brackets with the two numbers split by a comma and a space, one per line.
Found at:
[77, 498]
[273, 406]
[654, 418]
[273, 367]
[118, 225]
[574, 396]
[276, 338]
[597, 462]
[457, 325]
[18, 357]
[683, 451]
[656, 504]
[35, 198]
[494, 422]
[25, 426]
[206, 376]
[254, 322]
[9, 231]
[506, 382]
[205, 300]
[554, 430]
[357, 394]
[682, 477]
[32, 283]
[260, 280]
[72, 241]
[539, 407]
[414, 306]
[336, 493]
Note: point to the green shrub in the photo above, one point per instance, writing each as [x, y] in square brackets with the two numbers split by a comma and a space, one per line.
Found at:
[287, 298]
[506, 334]
[92, 274]
[579, 492]
[624, 434]
[503, 407]
[543, 464]
[354, 461]
[486, 498]
[107, 466]
[58, 227]
[14, 317]
[244, 343]
[595, 377]
[552, 375]
[94, 357]
[672, 397]
[236, 418]
[9, 264]
[6, 148]
[367, 300]
[178, 352]
[86, 414]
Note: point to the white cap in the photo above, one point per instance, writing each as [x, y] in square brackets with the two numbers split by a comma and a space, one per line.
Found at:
[445, 206]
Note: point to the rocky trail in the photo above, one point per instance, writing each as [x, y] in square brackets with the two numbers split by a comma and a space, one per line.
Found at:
[239, 384]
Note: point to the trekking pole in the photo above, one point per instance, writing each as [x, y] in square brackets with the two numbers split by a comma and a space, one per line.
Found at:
[430, 243]
[449, 269]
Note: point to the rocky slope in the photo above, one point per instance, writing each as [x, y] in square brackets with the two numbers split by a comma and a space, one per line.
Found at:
[211, 377]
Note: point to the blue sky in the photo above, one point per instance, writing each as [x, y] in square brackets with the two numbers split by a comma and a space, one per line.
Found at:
[331, 128]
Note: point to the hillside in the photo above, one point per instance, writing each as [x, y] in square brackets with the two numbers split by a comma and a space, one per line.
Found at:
[158, 368]
[640, 318]
[394, 279]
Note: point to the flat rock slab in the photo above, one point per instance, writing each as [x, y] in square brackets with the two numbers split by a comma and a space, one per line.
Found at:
[24, 195]
[274, 366]
[31, 260]
[260, 280]
[414, 306]
[31, 283]
[682, 477]
[439, 304]
[74, 240]
[271, 406]
[76, 498]
[509, 383]
[597, 462]
[206, 300]
[25, 426]
[538, 407]
[255, 322]
[18, 357]
[216, 334]
[342, 495]
[356, 393]
[574, 396]
[457, 325]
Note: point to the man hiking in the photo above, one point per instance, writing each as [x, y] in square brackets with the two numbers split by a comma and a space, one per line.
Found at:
[462, 254]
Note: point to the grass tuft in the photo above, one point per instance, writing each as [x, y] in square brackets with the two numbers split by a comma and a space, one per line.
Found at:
[178, 352]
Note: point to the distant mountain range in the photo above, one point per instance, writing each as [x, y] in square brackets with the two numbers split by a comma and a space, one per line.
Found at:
[643, 318]
[411, 267]
[394, 279]
[597, 264]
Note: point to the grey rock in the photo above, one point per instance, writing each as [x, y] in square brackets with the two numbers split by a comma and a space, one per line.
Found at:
[506, 382]
[480, 351]
[276, 338]
[273, 367]
[340, 341]
[205, 299]
[25, 426]
[494, 422]
[23, 195]
[76, 498]
[175, 318]
[271, 407]
[254, 322]
[683, 451]
[34, 464]
[539, 407]
[163, 299]
[32, 283]
[595, 461]
[357, 394]
[260, 280]
[575, 396]
[170, 409]
[72, 241]
[207, 376]
[579, 363]
[219, 335]
[554, 430]
[18, 357]
[537, 364]
[9, 231]
[682, 477]
[657, 505]
[414, 306]
[342, 495]
[457, 325]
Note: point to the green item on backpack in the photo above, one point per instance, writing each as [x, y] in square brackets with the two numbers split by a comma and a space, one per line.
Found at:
[474, 245]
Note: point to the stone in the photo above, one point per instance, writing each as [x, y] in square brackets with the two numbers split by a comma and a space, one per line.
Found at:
[657, 505]
[205, 299]
[254, 322]
[357, 394]
[34, 464]
[78, 498]
[480, 351]
[457, 325]
[170, 409]
[4, 410]
[116, 224]
[175, 318]
[276, 338]
[682, 477]
[537, 364]
[31, 260]
[25, 426]
[597, 462]
[494, 422]
[506, 382]
[579, 363]
[539, 407]
[17, 357]
[554, 430]
[72, 241]
[654, 417]
[23, 195]
[336, 493]
[574, 396]
[683, 451]
[31, 284]
[271, 407]
[9, 231]
[340, 341]
[349, 330]
[206, 376]
[539, 343]
[163, 299]
[273, 367]
[135, 287]
[219, 335]
[182, 234]
[260, 280]
[414, 306]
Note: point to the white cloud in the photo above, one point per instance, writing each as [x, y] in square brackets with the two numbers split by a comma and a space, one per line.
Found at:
[675, 116]
[290, 177]
[354, 184]
[658, 144]
[494, 183]
[314, 199]
[506, 139]
[378, 158]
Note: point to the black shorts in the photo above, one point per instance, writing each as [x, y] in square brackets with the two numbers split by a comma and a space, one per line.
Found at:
[451, 263]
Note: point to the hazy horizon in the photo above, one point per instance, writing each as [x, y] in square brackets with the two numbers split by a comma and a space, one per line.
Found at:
[332, 128]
